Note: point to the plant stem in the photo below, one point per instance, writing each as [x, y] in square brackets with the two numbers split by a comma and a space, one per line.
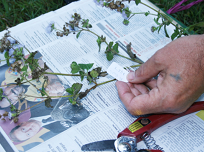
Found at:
[44, 100]
[159, 13]
[8, 99]
[92, 33]
[49, 96]
[133, 14]
[61, 74]
[138, 65]
[106, 82]
[135, 60]
[20, 43]
[100, 84]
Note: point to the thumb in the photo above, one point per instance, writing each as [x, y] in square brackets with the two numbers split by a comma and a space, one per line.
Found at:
[146, 71]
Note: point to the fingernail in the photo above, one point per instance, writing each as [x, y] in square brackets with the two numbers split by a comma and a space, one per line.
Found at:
[131, 76]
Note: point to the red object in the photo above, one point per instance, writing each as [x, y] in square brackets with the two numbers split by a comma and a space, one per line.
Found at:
[149, 124]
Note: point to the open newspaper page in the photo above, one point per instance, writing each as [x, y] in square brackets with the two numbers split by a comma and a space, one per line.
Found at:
[102, 115]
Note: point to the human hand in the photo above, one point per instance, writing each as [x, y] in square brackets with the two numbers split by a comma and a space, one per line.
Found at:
[180, 66]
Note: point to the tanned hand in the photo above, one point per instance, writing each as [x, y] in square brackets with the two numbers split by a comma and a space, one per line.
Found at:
[180, 69]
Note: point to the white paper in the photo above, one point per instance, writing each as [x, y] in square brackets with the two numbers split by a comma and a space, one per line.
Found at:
[117, 72]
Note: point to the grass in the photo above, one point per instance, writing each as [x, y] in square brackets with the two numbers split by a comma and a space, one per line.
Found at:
[193, 15]
[13, 12]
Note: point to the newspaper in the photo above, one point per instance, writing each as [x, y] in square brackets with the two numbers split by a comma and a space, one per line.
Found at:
[65, 128]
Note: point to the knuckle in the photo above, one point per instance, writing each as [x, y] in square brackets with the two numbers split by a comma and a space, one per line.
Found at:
[157, 58]
[141, 71]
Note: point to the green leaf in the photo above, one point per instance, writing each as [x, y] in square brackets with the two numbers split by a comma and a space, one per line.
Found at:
[147, 13]
[12, 107]
[1, 93]
[99, 43]
[159, 28]
[166, 33]
[75, 67]
[43, 93]
[47, 103]
[156, 21]
[77, 36]
[31, 56]
[24, 68]
[137, 2]
[125, 22]
[89, 78]
[115, 48]
[110, 44]
[6, 54]
[109, 56]
[82, 74]
[174, 35]
[86, 66]
[14, 114]
[127, 11]
[70, 91]
[76, 87]
[98, 69]
[168, 19]
[94, 74]
[7, 61]
[72, 101]
[85, 23]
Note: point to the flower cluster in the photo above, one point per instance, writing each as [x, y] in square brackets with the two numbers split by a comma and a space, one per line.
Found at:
[11, 49]
[71, 26]
[9, 115]
[118, 6]
[50, 27]
[6, 42]
[114, 5]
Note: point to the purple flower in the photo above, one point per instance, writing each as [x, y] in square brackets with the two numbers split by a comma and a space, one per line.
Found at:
[17, 47]
[50, 27]
[73, 28]
[124, 15]
[10, 115]
[11, 51]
